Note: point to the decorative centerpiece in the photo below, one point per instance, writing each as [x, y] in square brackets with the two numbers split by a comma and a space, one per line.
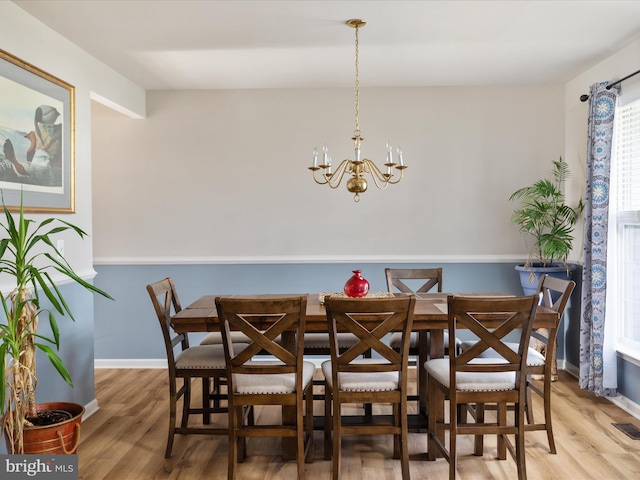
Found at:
[356, 286]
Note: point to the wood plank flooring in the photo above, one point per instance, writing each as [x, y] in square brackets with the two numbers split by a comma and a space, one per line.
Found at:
[126, 439]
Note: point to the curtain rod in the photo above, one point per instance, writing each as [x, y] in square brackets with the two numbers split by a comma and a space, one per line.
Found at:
[584, 98]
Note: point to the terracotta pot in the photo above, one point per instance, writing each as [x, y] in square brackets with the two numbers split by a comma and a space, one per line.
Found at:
[59, 438]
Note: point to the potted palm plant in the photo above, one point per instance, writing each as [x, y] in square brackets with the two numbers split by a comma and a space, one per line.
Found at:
[28, 256]
[547, 223]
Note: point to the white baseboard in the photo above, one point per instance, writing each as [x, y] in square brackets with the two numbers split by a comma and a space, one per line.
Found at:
[90, 408]
[162, 363]
[629, 406]
[130, 363]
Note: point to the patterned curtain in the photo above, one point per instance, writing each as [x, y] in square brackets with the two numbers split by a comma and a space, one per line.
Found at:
[593, 351]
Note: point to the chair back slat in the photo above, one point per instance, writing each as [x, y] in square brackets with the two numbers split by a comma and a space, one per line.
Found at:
[432, 277]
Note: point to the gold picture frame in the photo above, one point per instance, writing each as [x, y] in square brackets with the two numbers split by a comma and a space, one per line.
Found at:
[37, 138]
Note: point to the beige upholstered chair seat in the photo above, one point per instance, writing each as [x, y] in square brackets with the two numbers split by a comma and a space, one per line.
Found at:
[210, 356]
[394, 341]
[534, 357]
[362, 381]
[314, 341]
[472, 381]
[272, 384]
[215, 338]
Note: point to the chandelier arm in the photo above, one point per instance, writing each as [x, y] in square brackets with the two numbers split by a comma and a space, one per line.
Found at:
[379, 179]
[399, 178]
[335, 179]
[320, 182]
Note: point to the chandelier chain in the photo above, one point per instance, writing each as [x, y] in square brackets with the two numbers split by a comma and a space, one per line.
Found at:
[357, 99]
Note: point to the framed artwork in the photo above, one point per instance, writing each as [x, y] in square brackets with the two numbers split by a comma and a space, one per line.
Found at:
[37, 138]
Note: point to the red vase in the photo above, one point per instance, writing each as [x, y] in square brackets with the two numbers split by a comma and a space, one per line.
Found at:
[356, 286]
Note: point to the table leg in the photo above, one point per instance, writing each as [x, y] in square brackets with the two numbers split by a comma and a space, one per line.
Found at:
[423, 355]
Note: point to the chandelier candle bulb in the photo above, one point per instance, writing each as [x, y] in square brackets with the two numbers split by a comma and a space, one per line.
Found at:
[315, 158]
[400, 161]
[389, 154]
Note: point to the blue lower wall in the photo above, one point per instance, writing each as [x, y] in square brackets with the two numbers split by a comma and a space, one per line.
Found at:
[128, 328]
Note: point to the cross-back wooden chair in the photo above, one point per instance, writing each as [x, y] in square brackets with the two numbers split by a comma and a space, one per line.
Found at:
[287, 381]
[353, 379]
[415, 280]
[186, 363]
[554, 293]
[468, 378]
[427, 279]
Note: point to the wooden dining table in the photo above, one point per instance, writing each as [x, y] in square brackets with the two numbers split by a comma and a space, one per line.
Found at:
[430, 316]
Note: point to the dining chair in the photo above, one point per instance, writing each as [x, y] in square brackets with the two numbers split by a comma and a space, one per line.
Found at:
[186, 362]
[349, 378]
[468, 378]
[553, 293]
[284, 381]
[416, 281]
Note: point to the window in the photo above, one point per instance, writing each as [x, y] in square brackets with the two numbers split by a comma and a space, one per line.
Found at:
[625, 216]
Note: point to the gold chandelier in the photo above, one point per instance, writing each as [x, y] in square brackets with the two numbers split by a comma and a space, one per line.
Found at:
[357, 184]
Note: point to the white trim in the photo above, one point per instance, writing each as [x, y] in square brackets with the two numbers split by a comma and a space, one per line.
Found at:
[114, 106]
[625, 404]
[306, 259]
[629, 406]
[628, 354]
[130, 363]
[90, 408]
[162, 363]
[58, 279]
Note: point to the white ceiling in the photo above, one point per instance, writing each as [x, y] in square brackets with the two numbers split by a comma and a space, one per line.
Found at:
[303, 43]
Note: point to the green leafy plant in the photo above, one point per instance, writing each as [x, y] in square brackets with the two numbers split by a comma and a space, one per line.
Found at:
[544, 217]
[28, 255]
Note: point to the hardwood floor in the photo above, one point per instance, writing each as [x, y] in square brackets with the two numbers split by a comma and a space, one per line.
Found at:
[126, 439]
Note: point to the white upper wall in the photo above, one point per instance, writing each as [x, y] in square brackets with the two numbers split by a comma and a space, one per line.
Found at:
[221, 175]
[31, 41]
[245, 155]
